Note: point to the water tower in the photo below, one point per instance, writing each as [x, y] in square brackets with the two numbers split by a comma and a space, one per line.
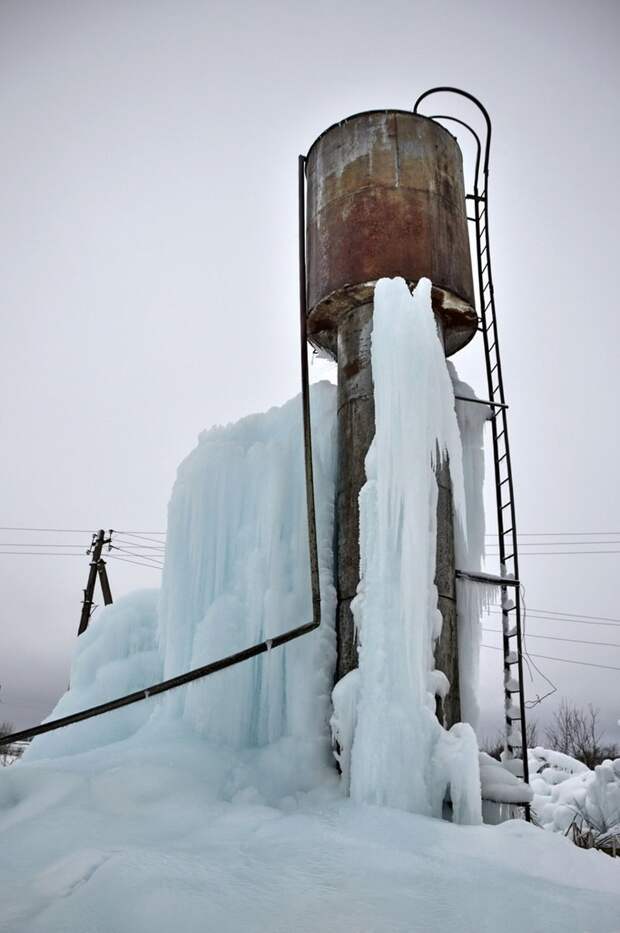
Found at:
[382, 194]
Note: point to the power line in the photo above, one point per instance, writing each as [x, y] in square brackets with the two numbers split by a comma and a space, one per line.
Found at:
[574, 641]
[127, 560]
[497, 609]
[38, 544]
[556, 534]
[144, 557]
[556, 553]
[577, 615]
[561, 543]
[140, 534]
[77, 531]
[41, 554]
[141, 547]
[570, 616]
[546, 657]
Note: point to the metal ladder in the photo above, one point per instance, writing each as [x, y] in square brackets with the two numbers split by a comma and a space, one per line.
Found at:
[514, 694]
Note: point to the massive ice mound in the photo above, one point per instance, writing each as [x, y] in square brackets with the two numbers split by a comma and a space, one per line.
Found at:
[237, 573]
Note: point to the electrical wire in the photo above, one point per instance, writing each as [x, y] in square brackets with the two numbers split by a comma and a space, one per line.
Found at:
[145, 557]
[141, 547]
[559, 618]
[561, 543]
[41, 554]
[556, 534]
[38, 544]
[530, 704]
[573, 641]
[546, 657]
[144, 534]
[77, 531]
[126, 560]
[554, 553]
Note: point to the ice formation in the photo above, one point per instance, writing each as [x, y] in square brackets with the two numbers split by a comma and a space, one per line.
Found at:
[401, 756]
[237, 573]
[217, 807]
[473, 598]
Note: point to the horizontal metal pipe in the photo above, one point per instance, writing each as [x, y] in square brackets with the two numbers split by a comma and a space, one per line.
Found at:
[163, 686]
[480, 401]
[486, 578]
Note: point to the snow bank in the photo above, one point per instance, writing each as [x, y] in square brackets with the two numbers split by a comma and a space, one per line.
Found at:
[501, 785]
[401, 756]
[566, 790]
[136, 843]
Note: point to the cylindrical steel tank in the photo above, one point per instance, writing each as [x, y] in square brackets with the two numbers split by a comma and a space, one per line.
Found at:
[385, 197]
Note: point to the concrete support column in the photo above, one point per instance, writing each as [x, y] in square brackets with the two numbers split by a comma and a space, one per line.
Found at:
[356, 429]
[446, 649]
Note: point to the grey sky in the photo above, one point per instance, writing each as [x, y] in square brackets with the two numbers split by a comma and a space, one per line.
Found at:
[149, 278]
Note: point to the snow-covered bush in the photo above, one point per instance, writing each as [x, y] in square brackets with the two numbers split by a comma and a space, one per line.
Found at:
[570, 798]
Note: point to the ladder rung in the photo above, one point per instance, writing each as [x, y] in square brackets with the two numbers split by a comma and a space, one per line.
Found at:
[503, 457]
[493, 368]
[486, 266]
[485, 287]
[510, 556]
[507, 532]
[504, 481]
[505, 506]
[484, 249]
[491, 348]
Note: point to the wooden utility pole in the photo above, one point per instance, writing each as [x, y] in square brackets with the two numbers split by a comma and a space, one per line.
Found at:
[97, 567]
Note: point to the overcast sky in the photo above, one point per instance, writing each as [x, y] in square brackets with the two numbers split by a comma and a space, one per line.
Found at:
[149, 278]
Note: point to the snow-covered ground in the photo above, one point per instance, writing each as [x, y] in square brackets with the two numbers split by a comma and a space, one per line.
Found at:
[218, 807]
[136, 839]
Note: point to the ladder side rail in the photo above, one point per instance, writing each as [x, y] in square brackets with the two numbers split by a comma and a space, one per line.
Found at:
[502, 532]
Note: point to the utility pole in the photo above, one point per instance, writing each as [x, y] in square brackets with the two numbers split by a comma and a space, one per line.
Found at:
[97, 568]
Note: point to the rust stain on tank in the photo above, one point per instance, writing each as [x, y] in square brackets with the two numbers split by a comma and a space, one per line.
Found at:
[386, 198]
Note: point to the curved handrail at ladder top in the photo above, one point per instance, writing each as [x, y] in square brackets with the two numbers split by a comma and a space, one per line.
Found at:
[500, 388]
[483, 110]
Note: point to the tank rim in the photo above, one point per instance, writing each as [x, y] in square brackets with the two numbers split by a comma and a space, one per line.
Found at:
[365, 113]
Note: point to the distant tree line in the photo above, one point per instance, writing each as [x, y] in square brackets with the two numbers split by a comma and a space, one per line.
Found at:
[575, 731]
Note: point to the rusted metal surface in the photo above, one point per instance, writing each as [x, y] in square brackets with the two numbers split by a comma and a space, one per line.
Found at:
[386, 198]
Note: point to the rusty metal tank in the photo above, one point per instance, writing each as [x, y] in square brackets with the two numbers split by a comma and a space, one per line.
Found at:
[385, 197]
